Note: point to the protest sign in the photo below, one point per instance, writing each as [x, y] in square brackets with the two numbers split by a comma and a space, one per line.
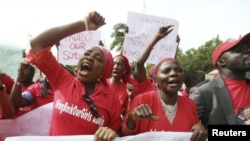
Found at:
[142, 29]
[72, 47]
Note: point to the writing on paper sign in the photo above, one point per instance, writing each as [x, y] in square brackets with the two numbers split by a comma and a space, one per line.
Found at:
[142, 30]
[72, 47]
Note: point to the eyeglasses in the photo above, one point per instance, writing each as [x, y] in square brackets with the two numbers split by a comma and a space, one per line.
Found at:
[91, 105]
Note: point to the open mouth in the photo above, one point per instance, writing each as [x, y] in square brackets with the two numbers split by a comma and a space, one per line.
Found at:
[85, 68]
[173, 83]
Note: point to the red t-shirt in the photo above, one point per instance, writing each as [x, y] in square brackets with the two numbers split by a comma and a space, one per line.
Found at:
[185, 93]
[142, 87]
[121, 91]
[8, 82]
[71, 114]
[240, 93]
[33, 94]
[186, 115]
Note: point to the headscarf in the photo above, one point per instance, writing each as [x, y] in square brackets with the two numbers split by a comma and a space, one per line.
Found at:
[126, 76]
[108, 63]
[159, 64]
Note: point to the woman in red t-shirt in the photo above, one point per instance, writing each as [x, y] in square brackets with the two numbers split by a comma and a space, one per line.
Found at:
[164, 110]
[83, 104]
[36, 95]
[119, 79]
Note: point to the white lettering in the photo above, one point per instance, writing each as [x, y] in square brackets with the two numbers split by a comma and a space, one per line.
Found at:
[73, 110]
[216, 132]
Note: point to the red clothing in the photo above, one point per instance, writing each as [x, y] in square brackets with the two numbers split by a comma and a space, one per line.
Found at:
[25, 109]
[8, 82]
[142, 87]
[71, 114]
[240, 93]
[185, 93]
[121, 91]
[186, 115]
[33, 94]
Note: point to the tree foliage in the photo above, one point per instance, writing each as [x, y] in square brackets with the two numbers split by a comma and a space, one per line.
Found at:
[118, 35]
[200, 58]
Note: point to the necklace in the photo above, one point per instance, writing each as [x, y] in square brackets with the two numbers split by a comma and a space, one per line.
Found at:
[169, 110]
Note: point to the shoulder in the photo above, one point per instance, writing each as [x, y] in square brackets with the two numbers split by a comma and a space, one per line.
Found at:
[150, 95]
[185, 99]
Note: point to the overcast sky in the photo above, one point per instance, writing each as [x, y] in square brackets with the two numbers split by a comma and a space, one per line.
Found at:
[199, 20]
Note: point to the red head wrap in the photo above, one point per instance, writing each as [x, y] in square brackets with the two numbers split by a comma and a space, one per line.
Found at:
[108, 63]
[126, 76]
[159, 64]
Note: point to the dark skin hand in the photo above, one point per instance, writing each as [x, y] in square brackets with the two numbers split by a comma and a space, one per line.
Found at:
[164, 31]
[105, 134]
[142, 111]
[199, 132]
[95, 20]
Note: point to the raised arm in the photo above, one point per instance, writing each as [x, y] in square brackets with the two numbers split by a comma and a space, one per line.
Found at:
[140, 71]
[52, 36]
[16, 92]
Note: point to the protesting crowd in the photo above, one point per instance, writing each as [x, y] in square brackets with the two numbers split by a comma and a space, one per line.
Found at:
[108, 97]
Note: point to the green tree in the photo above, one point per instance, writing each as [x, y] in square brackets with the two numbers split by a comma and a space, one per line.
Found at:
[118, 36]
[200, 58]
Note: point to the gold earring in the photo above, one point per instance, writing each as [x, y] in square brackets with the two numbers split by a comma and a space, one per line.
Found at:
[98, 80]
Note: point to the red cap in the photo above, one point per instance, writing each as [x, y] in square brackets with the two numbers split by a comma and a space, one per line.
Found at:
[225, 46]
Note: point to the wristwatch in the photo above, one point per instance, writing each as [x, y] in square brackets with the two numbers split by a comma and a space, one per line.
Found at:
[2, 87]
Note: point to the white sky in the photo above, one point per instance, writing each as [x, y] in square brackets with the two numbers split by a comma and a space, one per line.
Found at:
[199, 20]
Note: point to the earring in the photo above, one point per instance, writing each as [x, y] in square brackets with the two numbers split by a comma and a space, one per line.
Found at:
[98, 80]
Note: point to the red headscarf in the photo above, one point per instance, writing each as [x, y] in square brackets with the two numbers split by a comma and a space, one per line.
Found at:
[159, 64]
[126, 76]
[108, 63]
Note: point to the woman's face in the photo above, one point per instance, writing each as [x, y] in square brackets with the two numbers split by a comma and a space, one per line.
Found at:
[90, 66]
[170, 77]
[119, 68]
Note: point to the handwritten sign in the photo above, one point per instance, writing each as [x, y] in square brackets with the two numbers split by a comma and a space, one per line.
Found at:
[142, 29]
[72, 47]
